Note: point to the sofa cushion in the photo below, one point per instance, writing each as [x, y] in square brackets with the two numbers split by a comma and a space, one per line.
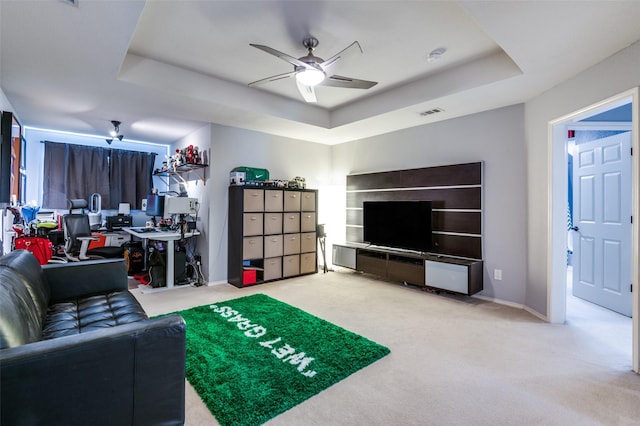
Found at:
[25, 263]
[20, 320]
[91, 313]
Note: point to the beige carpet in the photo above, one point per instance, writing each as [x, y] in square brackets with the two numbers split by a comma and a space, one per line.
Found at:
[453, 361]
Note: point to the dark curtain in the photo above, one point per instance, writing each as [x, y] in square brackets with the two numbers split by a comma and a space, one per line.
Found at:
[86, 168]
[54, 187]
[130, 176]
[77, 171]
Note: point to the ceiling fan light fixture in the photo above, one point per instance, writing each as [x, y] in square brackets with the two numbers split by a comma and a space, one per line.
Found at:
[310, 77]
[115, 132]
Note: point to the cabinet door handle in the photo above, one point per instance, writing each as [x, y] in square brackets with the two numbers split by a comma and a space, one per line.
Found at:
[254, 218]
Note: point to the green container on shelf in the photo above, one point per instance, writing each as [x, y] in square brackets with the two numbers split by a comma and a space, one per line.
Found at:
[242, 174]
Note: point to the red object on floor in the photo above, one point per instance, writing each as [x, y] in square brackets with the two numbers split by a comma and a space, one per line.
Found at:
[248, 276]
[41, 248]
[140, 275]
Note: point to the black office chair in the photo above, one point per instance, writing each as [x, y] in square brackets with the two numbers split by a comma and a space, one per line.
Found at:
[77, 235]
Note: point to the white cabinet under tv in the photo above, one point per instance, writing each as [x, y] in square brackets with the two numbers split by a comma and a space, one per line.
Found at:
[454, 275]
[344, 256]
[463, 276]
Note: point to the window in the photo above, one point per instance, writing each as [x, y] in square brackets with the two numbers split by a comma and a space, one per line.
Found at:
[77, 171]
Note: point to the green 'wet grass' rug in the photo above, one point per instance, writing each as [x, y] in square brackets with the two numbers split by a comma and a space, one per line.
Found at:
[255, 357]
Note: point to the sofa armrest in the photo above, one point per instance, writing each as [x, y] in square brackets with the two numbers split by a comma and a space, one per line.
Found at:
[76, 279]
[129, 374]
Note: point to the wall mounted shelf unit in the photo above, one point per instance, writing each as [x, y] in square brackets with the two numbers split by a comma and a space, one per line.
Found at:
[183, 173]
[454, 262]
[455, 192]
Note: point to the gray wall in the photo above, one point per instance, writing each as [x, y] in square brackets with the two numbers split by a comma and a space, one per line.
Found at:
[495, 138]
[612, 76]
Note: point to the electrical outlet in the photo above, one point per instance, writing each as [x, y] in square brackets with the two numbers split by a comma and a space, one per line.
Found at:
[143, 205]
[497, 274]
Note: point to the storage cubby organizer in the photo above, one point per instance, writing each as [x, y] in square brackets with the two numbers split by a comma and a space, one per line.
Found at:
[272, 234]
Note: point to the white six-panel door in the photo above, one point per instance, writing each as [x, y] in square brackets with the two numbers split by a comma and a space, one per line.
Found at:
[602, 215]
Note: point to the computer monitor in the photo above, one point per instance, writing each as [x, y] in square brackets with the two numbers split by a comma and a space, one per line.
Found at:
[180, 205]
[155, 205]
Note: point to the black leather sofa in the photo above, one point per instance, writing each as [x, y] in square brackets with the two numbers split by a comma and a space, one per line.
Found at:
[76, 348]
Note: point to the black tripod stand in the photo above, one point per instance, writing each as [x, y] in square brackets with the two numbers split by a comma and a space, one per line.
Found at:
[322, 236]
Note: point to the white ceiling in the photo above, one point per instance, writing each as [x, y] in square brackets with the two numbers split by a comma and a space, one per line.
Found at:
[166, 68]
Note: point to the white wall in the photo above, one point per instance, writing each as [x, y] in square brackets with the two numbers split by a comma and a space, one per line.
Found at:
[230, 147]
[4, 103]
[614, 75]
[198, 188]
[495, 138]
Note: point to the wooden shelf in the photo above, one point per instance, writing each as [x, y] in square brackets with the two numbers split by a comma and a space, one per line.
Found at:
[176, 175]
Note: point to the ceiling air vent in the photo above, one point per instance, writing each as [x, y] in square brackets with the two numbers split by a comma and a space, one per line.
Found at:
[431, 111]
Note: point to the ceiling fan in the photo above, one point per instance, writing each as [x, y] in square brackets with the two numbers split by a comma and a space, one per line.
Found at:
[311, 71]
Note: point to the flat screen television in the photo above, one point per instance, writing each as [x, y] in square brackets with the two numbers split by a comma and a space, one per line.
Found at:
[155, 205]
[398, 224]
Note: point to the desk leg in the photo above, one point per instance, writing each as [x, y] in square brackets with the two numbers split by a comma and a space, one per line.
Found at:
[145, 247]
[171, 258]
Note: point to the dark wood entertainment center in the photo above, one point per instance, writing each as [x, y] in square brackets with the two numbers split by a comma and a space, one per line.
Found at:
[454, 263]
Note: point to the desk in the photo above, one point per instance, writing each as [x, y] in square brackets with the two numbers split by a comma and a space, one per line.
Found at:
[170, 237]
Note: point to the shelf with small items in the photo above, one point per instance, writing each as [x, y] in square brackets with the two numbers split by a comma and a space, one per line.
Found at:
[175, 174]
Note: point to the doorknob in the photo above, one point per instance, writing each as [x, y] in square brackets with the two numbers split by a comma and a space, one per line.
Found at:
[574, 228]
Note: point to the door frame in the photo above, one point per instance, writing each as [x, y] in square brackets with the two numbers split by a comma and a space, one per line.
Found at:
[557, 211]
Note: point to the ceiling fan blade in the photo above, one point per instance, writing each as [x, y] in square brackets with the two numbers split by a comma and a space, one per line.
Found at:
[347, 82]
[293, 61]
[273, 78]
[307, 92]
[352, 49]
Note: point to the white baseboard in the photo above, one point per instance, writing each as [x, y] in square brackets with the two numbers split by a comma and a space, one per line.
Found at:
[211, 284]
[513, 305]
